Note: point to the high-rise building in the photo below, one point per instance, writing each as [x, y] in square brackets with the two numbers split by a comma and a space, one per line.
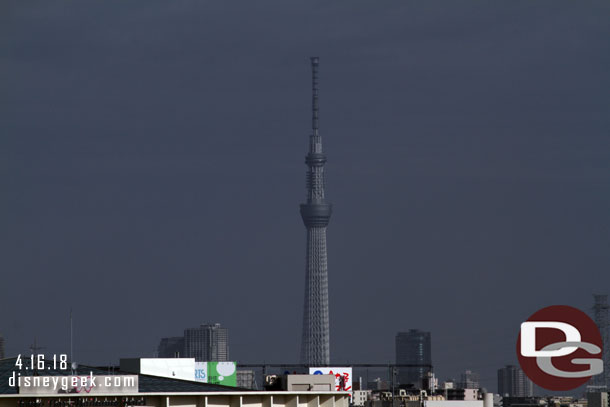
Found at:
[600, 315]
[597, 399]
[512, 382]
[469, 380]
[413, 347]
[315, 342]
[1, 347]
[207, 343]
[171, 347]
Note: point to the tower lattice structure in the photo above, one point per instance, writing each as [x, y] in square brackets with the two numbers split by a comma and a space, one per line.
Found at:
[315, 343]
[600, 315]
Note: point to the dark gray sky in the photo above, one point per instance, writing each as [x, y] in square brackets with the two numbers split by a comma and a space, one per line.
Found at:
[152, 165]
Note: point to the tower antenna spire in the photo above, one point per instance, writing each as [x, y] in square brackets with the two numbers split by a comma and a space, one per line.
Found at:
[314, 95]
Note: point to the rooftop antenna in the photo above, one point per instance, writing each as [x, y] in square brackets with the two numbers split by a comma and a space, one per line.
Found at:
[34, 348]
[71, 353]
[73, 364]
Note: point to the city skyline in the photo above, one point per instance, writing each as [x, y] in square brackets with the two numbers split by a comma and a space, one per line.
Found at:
[156, 153]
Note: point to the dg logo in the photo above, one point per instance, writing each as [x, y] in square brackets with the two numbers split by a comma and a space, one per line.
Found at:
[560, 348]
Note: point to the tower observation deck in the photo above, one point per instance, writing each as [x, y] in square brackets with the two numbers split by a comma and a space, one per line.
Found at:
[315, 343]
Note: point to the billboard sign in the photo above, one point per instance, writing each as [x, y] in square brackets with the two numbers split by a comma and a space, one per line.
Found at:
[343, 376]
[224, 373]
[201, 372]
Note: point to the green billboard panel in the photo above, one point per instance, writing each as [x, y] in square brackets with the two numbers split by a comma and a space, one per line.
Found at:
[224, 373]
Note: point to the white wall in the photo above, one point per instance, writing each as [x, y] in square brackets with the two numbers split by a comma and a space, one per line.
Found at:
[175, 368]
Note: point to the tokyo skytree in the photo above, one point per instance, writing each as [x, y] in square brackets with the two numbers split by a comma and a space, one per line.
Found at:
[315, 343]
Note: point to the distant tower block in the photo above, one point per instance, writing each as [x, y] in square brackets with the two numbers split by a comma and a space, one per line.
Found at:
[209, 342]
[315, 343]
[600, 315]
